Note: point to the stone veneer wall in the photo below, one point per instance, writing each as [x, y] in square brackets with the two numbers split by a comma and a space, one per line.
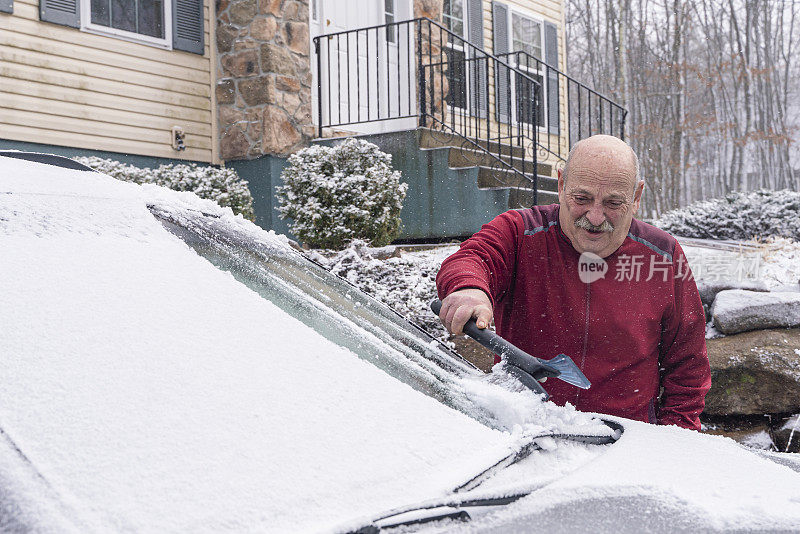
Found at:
[263, 90]
[264, 77]
[431, 9]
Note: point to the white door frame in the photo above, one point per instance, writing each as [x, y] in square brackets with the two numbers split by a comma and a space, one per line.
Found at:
[325, 16]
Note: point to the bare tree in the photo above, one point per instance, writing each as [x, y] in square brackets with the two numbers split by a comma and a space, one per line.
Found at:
[711, 87]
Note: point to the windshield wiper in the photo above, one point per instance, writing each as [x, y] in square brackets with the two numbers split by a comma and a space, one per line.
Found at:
[418, 515]
[532, 445]
[456, 509]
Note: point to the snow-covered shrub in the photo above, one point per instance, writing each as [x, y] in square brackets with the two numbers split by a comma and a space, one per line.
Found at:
[222, 185]
[336, 194]
[758, 214]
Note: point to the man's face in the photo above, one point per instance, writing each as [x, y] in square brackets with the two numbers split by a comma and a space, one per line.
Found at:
[599, 199]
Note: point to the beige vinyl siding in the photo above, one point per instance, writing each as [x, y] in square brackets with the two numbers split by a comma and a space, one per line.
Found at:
[62, 86]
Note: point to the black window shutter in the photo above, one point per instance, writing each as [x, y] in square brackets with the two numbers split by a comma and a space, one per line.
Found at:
[551, 58]
[64, 12]
[478, 68]
[187, 26]
[502, 75]
[6, 6]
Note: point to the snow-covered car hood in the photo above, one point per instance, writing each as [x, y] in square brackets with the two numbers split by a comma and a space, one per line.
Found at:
[149, 385]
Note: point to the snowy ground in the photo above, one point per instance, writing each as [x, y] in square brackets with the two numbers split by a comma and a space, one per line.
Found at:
[406, 280]
[775, 261]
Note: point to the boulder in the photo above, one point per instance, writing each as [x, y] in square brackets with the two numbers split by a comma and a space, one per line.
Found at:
[242, 12]
[738, 310]
[257, 91]
[787, 288]
[786, 434]
[709, 288]
[754, 373]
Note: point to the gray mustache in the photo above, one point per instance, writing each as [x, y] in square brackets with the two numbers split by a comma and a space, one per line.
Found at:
[584, 223]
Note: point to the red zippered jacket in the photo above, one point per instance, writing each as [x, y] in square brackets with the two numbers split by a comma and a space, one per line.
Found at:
[630, 333]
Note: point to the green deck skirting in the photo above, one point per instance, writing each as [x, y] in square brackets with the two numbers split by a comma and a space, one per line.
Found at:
[441, 202]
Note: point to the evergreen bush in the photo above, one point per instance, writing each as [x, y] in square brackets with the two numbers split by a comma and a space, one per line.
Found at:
[757, 214]
[221, 185]
[334, 195]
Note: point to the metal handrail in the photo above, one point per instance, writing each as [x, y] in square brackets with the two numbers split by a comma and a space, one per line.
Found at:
[579, 117]
[420, 69]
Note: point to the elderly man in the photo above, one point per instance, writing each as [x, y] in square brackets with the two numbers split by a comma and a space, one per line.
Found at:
[585, 278]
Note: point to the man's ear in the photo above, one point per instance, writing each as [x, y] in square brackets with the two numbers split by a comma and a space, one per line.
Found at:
[637, 196]
[560, 182]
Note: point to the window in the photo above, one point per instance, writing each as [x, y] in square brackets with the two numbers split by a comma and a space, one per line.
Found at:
[145, 21]
[329, 305]
[453, 19]
[526, 37]
[456, 78]
[453, 16]
[389, 16]
[526, 99]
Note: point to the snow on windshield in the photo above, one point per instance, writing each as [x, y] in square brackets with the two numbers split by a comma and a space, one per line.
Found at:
[153, 391]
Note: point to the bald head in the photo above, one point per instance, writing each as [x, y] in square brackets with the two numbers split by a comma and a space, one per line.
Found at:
[603, 150]
[602, 195]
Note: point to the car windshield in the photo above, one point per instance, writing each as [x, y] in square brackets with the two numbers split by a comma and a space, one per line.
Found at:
[329, 305]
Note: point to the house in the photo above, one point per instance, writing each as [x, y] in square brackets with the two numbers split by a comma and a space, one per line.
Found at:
[469, 96]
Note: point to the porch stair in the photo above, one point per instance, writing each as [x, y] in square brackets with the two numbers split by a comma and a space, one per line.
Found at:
[493, 175]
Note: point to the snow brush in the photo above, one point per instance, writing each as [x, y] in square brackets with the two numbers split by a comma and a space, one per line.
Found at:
[528, 369]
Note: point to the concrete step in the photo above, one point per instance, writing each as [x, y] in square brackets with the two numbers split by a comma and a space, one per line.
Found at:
[439, 139]
[464, 157]
[493, 178]
[436, 139]
[523, 198]
[502, 148]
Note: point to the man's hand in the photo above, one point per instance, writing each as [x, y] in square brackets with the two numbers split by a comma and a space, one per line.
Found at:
[459, 306]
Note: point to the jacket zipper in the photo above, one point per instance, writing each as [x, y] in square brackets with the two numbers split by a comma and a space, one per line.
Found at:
[585, 336]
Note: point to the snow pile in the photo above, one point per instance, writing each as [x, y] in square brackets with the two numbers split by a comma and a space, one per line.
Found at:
[758, 214]
[518, 409]
[780, 268]
[221, 185]
[759, 440]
